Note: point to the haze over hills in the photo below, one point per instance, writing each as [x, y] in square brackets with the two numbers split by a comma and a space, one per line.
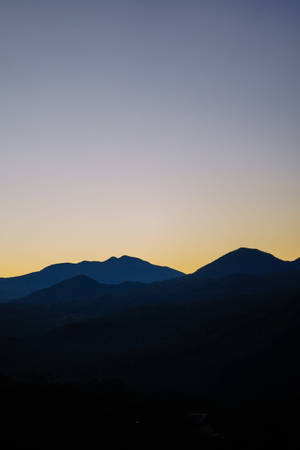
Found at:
[112, 271]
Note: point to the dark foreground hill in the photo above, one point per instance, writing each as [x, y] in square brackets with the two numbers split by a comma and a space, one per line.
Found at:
[225, 346]
[189, 336]
[112, 271]
[81, 298]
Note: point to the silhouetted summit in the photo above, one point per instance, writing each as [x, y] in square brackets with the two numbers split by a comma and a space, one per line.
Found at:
[112, 271]
[72, 289]
[246, 261]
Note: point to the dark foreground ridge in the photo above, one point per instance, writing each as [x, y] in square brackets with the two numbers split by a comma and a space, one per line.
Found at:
[208, 358]
[45, 413]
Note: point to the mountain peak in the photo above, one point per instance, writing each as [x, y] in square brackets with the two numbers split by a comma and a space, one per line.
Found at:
[126, 257]
[77, 280]
[70, 289]
[243, 261]
[111, 259]
[249, 251]
[245, 250]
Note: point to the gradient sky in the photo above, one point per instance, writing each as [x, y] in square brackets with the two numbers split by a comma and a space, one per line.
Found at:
[162, 129]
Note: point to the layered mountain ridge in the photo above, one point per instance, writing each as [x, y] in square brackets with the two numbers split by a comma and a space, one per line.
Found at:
[112, 271]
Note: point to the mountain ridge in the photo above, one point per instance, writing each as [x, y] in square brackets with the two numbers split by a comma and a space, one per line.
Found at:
[111, 271]
[130, 269]
[246, 261]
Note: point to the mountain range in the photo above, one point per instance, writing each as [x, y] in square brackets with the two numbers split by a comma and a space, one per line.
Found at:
[112, 271]
[80, 298]
[130, 269]
[228, 332]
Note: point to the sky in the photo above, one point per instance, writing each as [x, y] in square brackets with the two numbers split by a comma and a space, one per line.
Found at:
[164, 129]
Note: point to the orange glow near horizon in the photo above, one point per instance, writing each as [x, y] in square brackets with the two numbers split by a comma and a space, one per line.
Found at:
[186, 264]
[154, 129]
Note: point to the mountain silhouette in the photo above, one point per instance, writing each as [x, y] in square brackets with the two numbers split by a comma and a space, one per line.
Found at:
[228, 334]
[81, 298]
[246, 261]
[242, 327]
[72, 289]
[112, 271]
